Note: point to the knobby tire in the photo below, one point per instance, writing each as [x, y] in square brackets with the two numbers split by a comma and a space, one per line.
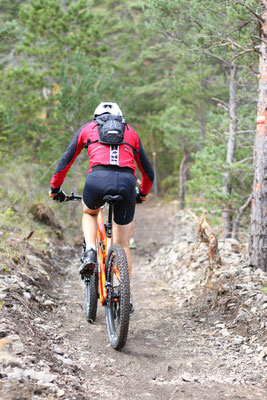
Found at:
[118, 300]
[91, 296]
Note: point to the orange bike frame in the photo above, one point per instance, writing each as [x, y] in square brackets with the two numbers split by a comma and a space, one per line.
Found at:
[103, 245]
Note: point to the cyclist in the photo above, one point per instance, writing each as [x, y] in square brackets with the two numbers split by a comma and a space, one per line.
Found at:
[111, 171]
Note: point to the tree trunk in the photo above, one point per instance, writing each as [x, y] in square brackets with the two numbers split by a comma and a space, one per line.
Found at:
[239, 213]
[258, 233]
[231, 147]
[182, 181]
[154, 153]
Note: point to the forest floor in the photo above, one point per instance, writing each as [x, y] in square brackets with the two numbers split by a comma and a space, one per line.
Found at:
[177, 348]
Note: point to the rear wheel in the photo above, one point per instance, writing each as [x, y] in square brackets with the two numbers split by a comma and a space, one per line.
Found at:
[91, 296]
[118, 297]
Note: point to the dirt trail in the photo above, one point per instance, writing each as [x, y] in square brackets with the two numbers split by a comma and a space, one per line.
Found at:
[166, 356]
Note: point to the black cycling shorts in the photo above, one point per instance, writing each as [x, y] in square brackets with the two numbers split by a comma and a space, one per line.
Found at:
[104, 181]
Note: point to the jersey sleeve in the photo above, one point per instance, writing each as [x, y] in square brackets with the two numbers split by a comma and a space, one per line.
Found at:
[146, 169]
[73, 150]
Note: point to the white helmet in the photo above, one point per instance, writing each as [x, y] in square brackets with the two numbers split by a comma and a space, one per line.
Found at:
[108, 108]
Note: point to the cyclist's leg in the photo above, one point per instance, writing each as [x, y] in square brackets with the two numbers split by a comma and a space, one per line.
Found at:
[89, 225]
[121, 235]
[92, 200]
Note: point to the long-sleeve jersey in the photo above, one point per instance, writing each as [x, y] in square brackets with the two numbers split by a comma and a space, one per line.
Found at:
[123, 155]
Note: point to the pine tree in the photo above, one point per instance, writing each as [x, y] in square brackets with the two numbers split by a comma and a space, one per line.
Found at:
[53, 31]
[224, 34]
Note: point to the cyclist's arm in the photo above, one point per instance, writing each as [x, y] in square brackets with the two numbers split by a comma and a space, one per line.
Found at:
[74, 149]
[146, 169]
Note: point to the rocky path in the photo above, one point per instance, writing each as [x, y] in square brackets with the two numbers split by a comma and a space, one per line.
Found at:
[170, 353]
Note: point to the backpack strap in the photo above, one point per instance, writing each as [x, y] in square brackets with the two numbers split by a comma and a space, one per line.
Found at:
[136, 151]
[89, 142]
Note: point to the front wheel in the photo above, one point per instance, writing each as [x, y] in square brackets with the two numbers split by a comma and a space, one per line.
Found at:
[118, 296]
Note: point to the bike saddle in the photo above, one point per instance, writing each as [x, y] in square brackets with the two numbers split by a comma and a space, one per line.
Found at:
[112, 199]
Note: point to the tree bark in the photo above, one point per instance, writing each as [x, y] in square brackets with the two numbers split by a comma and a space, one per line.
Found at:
[258, 233]
[231, 148]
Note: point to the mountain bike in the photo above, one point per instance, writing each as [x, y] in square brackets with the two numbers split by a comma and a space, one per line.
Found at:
[110, 283]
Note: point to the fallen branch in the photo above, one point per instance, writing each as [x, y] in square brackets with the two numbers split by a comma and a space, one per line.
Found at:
[207, 235]
[29, 236]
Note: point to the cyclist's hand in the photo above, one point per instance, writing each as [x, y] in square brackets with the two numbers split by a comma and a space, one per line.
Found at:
[140, 197]
[57, 194]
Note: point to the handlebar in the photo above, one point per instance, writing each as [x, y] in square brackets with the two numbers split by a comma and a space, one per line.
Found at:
[73, 197]
[77, 197]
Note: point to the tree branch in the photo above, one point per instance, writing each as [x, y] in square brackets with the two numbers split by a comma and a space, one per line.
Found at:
[219, 44]
[240, 26]
[243, 48]
[208, 54]
[250, 10]
[244, 52]
[244, 160]
[259, 38]
[247, 131]
[221, 104]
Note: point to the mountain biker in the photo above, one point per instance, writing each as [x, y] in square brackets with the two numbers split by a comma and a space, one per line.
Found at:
[111, 171]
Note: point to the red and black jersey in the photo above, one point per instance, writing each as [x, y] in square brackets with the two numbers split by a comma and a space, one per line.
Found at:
[122, 155]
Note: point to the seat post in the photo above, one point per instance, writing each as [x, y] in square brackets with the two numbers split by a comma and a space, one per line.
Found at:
[111, 200]
[109, 223]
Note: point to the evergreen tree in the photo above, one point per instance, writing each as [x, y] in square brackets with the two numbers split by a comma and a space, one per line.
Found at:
[52, 33]
[185, 82]
[224, 35]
